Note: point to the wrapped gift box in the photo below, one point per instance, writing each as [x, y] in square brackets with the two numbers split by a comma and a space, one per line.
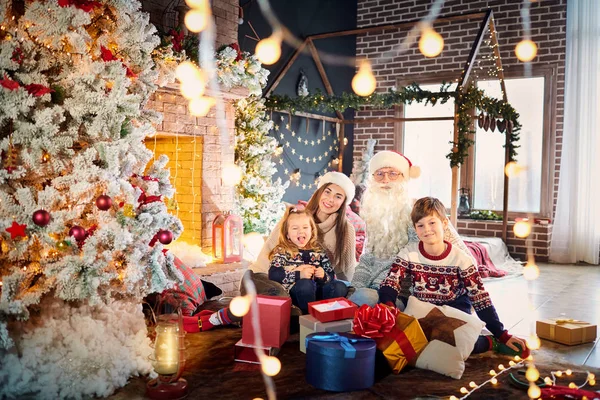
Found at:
[274, 318]
[340, 362]
[566, 331]
[309, 324]
[332, 309]
[247, 353]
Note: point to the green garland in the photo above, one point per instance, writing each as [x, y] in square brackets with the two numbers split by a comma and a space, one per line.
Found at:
[472, 99]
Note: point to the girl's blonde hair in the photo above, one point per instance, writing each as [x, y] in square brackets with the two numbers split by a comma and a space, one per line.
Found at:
[341, 226]
[284, 244]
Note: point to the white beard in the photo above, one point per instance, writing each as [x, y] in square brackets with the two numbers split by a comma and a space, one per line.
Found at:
[386, 213]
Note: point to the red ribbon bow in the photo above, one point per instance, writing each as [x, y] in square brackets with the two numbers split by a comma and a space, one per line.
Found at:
[146, 177]
[84, 5]
[145, 199]
[374, 322]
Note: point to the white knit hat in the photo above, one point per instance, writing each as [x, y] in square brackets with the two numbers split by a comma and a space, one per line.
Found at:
[396, 160]
[342, 181]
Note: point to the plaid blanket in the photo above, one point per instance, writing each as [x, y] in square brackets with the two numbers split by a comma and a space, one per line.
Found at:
[188, 295]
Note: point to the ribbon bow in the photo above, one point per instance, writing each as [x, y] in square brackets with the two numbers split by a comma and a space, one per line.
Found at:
[374, 322]
[345, 342]
[145, 199]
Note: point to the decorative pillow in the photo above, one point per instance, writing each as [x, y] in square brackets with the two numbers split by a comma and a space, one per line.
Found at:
[451, 334]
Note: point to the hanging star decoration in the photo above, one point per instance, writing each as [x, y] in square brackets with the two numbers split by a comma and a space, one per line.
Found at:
[438, 326]
[16, 230]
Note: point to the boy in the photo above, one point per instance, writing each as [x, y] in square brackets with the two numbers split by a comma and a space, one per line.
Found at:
[455, 282]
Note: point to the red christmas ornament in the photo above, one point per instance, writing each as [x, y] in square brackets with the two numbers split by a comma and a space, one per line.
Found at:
[165, 237]
[104, 202]
[78, 233]
[17, 230]
[41, 218]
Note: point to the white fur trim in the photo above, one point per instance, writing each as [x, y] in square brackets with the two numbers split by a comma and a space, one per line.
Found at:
[342, 181]
[396, 160]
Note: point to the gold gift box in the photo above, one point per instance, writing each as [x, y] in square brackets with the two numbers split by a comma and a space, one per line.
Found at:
[570, 332]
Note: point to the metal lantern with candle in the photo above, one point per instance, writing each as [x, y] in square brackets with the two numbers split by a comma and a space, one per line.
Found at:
[464, 208]
[168, 359]
[227, 233]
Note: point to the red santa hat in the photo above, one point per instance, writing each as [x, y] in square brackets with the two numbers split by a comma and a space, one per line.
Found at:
[342, 181]
[396, 160]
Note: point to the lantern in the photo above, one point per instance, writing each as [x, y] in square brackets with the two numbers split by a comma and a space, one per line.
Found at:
[227, 231]
[464, 209]
[168, 359]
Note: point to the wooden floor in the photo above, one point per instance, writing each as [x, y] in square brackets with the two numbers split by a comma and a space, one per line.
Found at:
[571, 291]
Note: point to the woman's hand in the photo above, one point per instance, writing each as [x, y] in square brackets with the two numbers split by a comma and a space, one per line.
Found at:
[306, 271]
[319, 273]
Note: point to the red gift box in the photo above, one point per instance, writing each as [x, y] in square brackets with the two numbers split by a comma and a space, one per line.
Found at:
[274, 319]
[318, 309]
[247, 353]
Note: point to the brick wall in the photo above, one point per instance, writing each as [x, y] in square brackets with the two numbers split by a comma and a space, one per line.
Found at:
[163, 14]
[517, 247]
[548, 23]
[212, 196]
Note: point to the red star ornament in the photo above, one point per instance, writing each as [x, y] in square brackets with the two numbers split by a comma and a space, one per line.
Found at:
[16, 230]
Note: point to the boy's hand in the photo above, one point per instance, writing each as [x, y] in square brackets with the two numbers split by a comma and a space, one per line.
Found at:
[319, 273]
[515, 340]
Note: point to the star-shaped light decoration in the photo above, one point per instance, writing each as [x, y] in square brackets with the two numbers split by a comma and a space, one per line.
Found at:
[281, 135]
[305, 141]
[301, 157]
[293, 151]
[286, 171]
[330, 148]
[281, 161]
[287, 126]
[16, 230]
[303, 186]
[318, 141]
[314, 159]
[328, 133]
[438, 326]
[312, 142]
[277, 127]
[293, 133]
[320, 158]
[287, 144]
[326, 153]
[282, 118]
[299, 139]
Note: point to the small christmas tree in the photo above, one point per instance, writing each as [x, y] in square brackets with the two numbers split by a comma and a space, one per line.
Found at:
[82, 225]
[361, 167]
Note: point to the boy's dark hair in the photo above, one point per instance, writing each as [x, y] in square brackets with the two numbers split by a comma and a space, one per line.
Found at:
[427, 206]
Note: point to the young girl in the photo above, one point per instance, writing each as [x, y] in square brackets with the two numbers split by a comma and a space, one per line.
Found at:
[300, 264]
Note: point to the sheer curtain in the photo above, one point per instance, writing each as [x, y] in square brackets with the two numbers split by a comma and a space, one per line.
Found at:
[576, 232]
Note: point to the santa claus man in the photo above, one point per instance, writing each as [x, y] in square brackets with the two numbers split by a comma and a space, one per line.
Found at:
[385, 208]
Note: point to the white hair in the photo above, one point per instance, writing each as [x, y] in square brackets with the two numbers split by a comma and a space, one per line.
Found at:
[386, 212]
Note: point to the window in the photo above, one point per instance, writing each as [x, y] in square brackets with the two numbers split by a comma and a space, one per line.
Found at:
[426, 144]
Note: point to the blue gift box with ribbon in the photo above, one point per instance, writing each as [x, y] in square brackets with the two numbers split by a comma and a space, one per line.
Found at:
[340, 362]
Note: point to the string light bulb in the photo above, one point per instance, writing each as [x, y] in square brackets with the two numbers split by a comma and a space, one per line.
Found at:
[492, 372]
[534, 392]
[572, 385]
[494, 381]
[548, 381]
[200, 106]
[232, 174]
[239, 306]
[453, 398]
[364, 82]
[558, 373]
[271, 366]
[464, 390]
[431, 43]
[568, 372]
[526, 50]
[196, 20]
[531, 271]
[532, 374]
[533, 342]
[591, 376]
[268, 50]
[472, 384]
[522, 228]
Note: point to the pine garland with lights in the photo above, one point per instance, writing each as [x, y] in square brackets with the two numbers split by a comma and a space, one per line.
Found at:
[82, 223]
[467, 102]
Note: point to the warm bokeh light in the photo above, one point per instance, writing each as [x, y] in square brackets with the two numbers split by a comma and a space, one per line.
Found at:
[534, 392]
[558, 373]
[271, 366]
[548, 381]
[188, 71]
[494, 381]
[239, 306]
[464, 390]
[522, 228]
[232, 174]
[512, 169]
[431, 43]
[198, 4]
[526, 50]
[532, 374]
[572, 385]
[453, 398]
[568, 372]
[268, 50]
[533, 342]
[200, 106]
[364, 82]
[196, 20]
[472, 384]
[531, 271]
[501, 367]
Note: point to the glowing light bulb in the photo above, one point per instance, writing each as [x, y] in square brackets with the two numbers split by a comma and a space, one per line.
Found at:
[492, 372]
[568, 372]
[271, 366]
[501, 367]
[232, 174]
[494, 381]
[431, 43]
[201, 4]
[268, 50]
[526, 50]
[192, 89]
[512, 169]
[364, 81]
[511, 363]
[558, 373]
[531, 271]
[187, 71]
[532, 374]
[472, 384]
[534, 392]
[453, 398]
[201, 106]
[517, 358]
[591, 376]
[239, 306]
[572, 385]
[592, 382]
[196, 20]
[522, 228]
[533, 342]
[548, 381]
[464, 390]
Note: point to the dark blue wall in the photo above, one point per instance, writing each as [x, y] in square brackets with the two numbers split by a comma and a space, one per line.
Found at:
[304, 18]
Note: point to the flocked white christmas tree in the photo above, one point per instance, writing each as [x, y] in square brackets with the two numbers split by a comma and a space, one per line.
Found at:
[82, 221]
